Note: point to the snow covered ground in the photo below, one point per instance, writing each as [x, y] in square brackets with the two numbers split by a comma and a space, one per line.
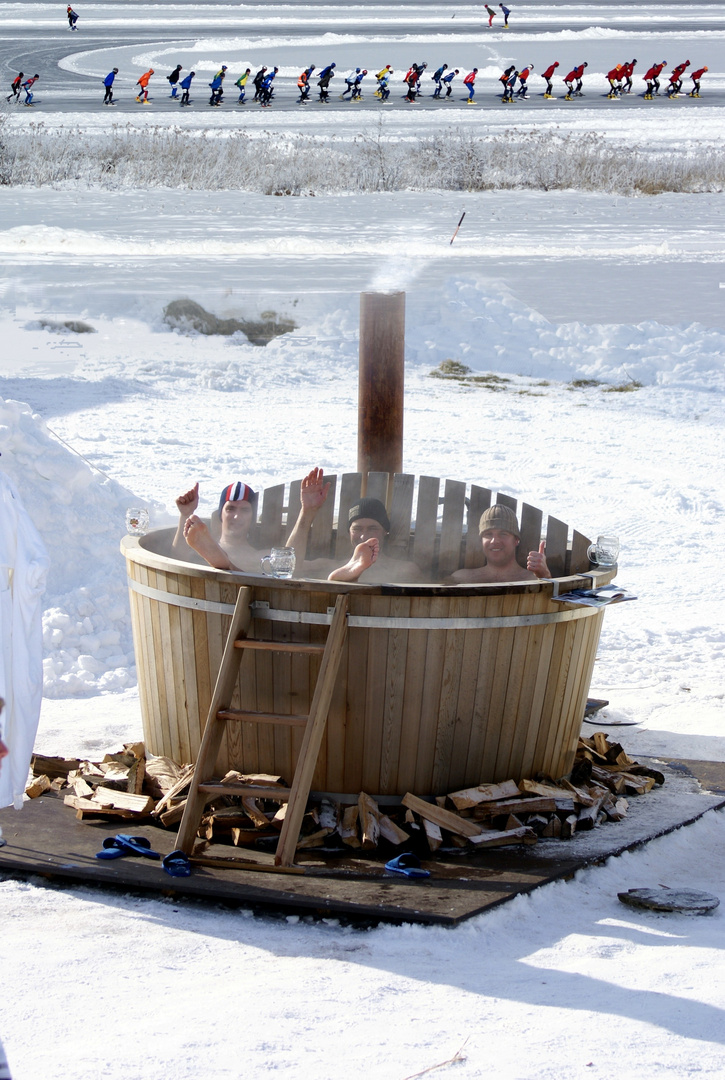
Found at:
[541, 288]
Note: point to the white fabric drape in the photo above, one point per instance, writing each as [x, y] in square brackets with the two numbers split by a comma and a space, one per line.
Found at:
[23, 569]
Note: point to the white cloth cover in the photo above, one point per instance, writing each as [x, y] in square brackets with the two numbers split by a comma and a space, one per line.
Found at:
[23, 568]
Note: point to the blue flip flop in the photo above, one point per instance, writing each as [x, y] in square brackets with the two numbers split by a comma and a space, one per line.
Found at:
[114, 847]
[407, 864]
[177, 864]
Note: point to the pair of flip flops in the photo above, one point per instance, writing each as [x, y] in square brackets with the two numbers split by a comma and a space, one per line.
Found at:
[407, 864]
[114, 847]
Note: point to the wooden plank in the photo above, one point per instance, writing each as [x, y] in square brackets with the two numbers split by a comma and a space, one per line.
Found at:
[515, 717]
[578, 560]
[320, 543]
[412, 696]
[487, 839]
[277, 645]
[203, 676]
[443, 818]
[263, 718]
[369, 817]
[479, 765]
[348, 827]
[431, 677]
[313, 734]
[349, 494]
[453, 649]
[483, 793]
[294, 504]
[465, 695]
[165, 673]
[375, 693]
[556, 546]
[504, 644]
[426, 523]
[450, 553]
[479, 500]
[357, 666]
[559, 674]
[272, 528]
[392, 711]
[530, 525]
[214, 729]
[401, 512]
[544, 643]
[377, 486]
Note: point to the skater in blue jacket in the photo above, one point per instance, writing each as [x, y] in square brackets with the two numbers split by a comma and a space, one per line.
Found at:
[108, 83]
[186, 87]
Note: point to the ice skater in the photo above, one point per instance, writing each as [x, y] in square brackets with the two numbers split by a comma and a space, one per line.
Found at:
[186, 87]
[627, 72]
[349, 83]
[652, 79]
[108, 83]
[217, 89]
[257, 82]
[382, 74]
[173, 80]
[549, 75]
[28, 88]
[470, 83]
[143, 82]
[676, 79]
[411, 80]
[448, 80]
[72, 18]
[696, 76]
[383, 85]
[267, 88]
[323, 82]
[357, 86]
[522, 91]
[506, 12]
[303, 84]
[573, 82]
[614, 77]
[436, 77]
[15, 87]
[508, 87]
[241, 85]
[491, 14]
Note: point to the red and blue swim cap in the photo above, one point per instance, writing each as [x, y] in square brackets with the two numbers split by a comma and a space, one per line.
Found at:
[235, 493]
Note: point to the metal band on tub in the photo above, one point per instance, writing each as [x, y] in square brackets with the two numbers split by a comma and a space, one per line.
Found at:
[262, 610]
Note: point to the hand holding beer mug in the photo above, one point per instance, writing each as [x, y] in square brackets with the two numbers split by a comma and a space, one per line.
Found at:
[605, 552]
[281, 562]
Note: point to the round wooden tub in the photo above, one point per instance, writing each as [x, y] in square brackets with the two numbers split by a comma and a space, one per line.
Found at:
[440, 687]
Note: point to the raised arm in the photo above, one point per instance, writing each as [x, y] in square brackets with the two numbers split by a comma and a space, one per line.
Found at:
[186, 504]
[536, 561]
[313, 493]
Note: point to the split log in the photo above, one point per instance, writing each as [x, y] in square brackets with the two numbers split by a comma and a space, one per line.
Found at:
[496, 838]
[90, 808]
[433, 834]
[548, 791]
[444, 818]
[568, 827]
[38, 786]
[348, 827]
[183, 782]
[369, 821]
[553, 829]
[329, 815]
[618, 811]
[392, 832]
[637, 785]
[468, 797]
[53, 766]
[161, 773]
[123, 800]
[538, 823]
[532, 805]
[253, 812]
[82, 789]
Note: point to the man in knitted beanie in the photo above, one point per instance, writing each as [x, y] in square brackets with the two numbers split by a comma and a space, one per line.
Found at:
[368, 528]
[500, 538]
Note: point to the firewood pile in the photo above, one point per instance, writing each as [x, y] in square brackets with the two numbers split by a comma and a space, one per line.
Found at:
[127, 784]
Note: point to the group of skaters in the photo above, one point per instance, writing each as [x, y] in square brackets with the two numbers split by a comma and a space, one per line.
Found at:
[619, 79]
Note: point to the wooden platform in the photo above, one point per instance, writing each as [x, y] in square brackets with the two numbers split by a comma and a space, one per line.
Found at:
[46, 840]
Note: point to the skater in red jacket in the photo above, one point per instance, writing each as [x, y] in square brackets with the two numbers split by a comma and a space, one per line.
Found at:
[549, 75]
[652, 78]
[696, 76]
[574, 82]
[627, 72]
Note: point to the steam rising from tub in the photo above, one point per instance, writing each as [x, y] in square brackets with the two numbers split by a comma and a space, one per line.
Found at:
[396, 276]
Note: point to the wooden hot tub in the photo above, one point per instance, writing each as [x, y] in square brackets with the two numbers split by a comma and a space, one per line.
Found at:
[440, 687]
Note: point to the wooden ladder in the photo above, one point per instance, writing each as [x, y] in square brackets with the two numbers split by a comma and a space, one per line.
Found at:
[220, 714]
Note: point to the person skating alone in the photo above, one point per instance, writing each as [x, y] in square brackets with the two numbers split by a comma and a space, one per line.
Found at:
[143, 82]
[469, 82]
[173, 80]
[108, 83]
[549, 75]
[186, 87]
[15, 88]
[696, 76]
[72, 18]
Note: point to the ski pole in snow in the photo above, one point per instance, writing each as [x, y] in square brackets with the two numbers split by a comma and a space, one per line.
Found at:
[458, 227]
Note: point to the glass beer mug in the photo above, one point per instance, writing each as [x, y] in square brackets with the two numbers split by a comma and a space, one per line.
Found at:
[280, 562]
[605, 552]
